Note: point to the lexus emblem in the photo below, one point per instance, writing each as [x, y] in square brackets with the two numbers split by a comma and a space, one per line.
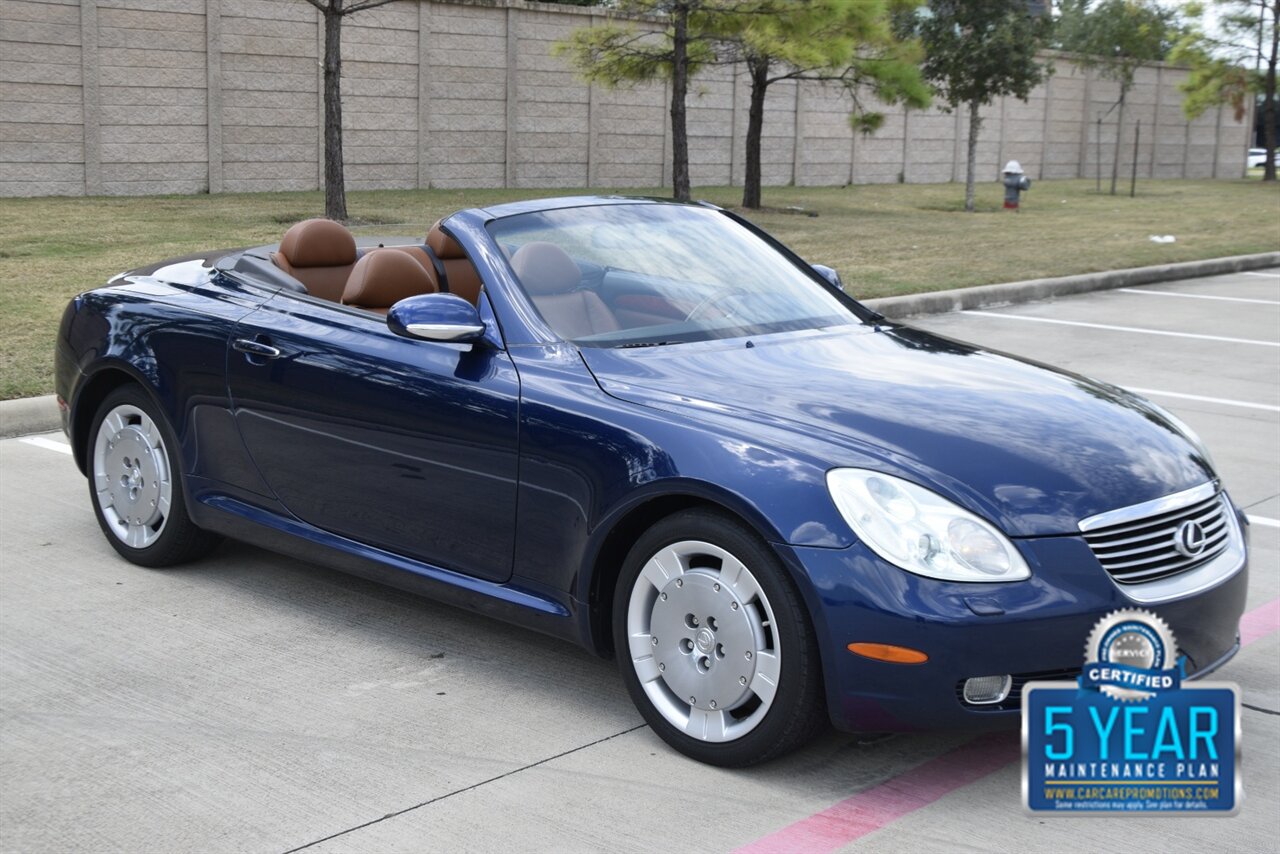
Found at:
[1189, 539]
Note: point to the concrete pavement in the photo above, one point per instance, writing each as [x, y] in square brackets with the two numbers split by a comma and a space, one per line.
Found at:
[253, 703]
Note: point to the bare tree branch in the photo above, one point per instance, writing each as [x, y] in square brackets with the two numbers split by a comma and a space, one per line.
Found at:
[365, 4]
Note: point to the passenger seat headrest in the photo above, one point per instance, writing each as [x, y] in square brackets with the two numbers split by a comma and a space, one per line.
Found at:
[383, 277]
[445, 247]
[544, 269]
[318, 243]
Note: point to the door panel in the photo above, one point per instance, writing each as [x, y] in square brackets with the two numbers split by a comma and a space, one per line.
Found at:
[405, 445]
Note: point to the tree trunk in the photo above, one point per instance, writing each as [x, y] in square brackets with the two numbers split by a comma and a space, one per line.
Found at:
[1269, 104]
[335, 192]
[758, 69]
[1115, 156]
[679, 90]
[975, 126]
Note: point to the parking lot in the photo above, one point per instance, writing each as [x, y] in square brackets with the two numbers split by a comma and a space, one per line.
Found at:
[251, 702]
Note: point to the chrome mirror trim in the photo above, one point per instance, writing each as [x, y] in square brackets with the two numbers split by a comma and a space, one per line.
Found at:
[444, 331]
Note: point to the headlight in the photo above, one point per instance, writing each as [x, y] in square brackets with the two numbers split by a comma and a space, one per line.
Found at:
[922, 532]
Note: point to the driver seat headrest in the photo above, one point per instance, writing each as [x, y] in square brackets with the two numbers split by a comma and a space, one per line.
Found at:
[544, 269]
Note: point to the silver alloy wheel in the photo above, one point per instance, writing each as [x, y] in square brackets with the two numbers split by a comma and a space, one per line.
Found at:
[131, 476]
[703, 641]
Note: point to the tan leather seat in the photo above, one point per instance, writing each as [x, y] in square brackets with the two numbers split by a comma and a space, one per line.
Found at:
[551, 279]
[320, 253]
[419, 254]
[383, 277]
[460, 274]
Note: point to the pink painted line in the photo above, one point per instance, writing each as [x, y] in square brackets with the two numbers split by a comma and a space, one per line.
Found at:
[881, 805]
[873, 808]
[1260, 622]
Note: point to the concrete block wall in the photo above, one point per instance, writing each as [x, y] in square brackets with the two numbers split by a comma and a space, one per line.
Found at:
[1064, 137]
[1169, 150]
[826, 155]
[151, 72]
[462, 122]
[710, 121]
[264, 74]
[552, 117]
[380, 63]
[185, 96]
[42, 93]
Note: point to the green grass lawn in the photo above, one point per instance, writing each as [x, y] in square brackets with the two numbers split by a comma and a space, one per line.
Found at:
[884, 239]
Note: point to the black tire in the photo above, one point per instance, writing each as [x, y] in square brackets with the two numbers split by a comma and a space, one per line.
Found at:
[796, 711]
[173, 538]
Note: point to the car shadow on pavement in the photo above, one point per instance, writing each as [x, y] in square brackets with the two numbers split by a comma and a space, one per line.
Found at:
[411, 630]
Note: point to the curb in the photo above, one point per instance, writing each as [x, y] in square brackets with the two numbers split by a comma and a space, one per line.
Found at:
[29, 415]
[40, 414]
[960, 299]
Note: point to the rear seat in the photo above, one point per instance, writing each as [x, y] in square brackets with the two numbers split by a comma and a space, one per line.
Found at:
[383, 277]
[320, 253]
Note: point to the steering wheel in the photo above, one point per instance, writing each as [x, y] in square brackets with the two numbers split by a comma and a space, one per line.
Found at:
[715, 299]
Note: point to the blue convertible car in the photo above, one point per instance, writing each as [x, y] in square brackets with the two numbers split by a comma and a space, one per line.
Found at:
[651, 429]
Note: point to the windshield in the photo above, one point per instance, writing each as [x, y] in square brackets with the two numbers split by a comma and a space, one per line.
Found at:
[648, 274]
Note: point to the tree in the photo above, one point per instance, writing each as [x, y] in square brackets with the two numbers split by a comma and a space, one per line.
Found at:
[1248, 32]
[1116, 37]
[976, 51]
[618, 53]
[335, 190]
[847, 42]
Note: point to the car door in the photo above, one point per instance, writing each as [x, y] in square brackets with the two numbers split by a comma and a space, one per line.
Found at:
[401, 444]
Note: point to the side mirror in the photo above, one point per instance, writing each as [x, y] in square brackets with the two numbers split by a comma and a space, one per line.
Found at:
[436, 317]
[829, 275]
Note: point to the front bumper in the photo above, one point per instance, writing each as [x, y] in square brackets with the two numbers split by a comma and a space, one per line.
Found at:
[1033, 629]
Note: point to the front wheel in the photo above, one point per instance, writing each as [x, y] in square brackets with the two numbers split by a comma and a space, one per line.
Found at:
[714, 643]
[136, 486]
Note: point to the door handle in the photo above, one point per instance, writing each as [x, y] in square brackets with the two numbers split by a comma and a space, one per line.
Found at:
[255, 348]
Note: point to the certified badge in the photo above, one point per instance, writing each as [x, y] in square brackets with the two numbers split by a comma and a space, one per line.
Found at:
[1131, 655]
[1130, 736]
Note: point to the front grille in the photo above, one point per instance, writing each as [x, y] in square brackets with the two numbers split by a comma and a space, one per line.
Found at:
[1146, 549]
[1020, 680]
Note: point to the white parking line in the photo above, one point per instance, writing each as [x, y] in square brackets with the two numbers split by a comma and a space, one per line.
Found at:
[47, 444]
[1222, 400]
[1123, 328]
[1197, 296]
[1263, 521]
[1263, 275]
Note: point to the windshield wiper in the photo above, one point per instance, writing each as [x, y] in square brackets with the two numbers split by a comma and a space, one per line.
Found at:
[646, 344]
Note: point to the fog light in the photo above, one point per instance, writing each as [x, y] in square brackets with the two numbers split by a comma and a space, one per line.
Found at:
[984, 690]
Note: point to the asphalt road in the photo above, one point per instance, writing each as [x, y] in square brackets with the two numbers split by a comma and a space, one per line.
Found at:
[251, 702]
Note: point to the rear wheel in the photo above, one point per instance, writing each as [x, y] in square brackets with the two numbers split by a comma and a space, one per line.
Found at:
[136, 486]
[714, 643]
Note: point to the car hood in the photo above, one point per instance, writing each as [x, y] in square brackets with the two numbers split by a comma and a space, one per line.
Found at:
[1032, 448]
